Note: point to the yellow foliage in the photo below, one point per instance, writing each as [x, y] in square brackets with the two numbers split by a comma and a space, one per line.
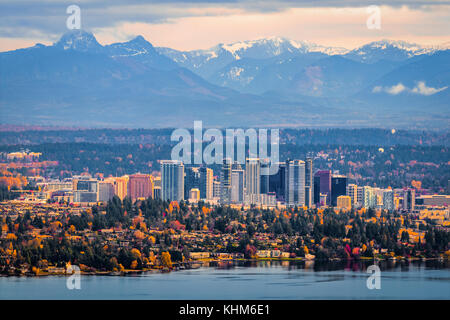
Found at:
[144, 227]
[139, 234]
[152, 257]
[166, 259]
[135, 253]
[35, 270]
[11, 236]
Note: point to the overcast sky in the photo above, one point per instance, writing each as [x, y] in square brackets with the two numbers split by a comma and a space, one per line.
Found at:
[188, 25]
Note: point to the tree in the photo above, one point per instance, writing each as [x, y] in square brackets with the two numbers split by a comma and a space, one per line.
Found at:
[405, 236]
[166, 260]
[186, 253]
[249, 252]
[251, 230]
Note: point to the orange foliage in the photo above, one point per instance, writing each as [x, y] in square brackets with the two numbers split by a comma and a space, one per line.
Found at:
[11, 236]
[9, 181]
[139, 235]
[416, 184]
[135, 253]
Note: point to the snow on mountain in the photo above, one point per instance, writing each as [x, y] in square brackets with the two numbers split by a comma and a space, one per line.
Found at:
[222, 54]
[389, 50]
[273, 73]
[133, 47]
[210, 63]
[275, 46]
[79, 40]
[248, 66]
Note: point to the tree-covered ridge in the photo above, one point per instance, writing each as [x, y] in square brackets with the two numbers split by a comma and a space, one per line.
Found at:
[395, 166]
[365, 136]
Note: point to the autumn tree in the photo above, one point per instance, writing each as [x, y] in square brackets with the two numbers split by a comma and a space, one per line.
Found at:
[166, 260]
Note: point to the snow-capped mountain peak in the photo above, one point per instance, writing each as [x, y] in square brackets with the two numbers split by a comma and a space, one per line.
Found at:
[388, 49]
[79, 40]
[134, 47]
[269, 47]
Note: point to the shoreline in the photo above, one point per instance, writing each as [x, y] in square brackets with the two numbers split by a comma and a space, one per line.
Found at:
[182, 266]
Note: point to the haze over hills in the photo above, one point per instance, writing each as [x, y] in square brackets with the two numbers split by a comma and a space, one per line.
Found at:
[274, 81]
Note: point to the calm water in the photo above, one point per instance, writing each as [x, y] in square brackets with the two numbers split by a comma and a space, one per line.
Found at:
[257, 280]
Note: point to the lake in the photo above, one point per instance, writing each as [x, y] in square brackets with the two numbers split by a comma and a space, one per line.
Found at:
[249, 280]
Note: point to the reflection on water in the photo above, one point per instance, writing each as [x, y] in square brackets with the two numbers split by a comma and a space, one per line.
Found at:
[256, 280]
[346, 265]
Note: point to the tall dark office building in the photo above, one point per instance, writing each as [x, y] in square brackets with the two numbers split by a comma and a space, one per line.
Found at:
[409, 199]
[225, 182]
[191, 180]
[265, 180]
[309, 182]
[324, 184]
[316, 189]
[338, 188]
[277, 181]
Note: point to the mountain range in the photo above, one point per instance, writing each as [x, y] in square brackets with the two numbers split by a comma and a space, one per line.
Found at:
[266, 82]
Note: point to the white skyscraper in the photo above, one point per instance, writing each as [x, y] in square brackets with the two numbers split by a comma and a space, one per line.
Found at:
[352, 192]
[206, 183]
[252, 176]
[252, 180]
[172, 180]
[237, 186]
[295, 183]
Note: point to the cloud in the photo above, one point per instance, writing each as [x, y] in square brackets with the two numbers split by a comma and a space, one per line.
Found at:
[377, 89]
[394, 90]
[420, 88]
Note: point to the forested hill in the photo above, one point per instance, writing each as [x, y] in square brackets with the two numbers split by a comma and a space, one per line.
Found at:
[367, 137]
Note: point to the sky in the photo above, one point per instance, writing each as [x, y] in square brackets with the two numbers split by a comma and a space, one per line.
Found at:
[200, 24]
